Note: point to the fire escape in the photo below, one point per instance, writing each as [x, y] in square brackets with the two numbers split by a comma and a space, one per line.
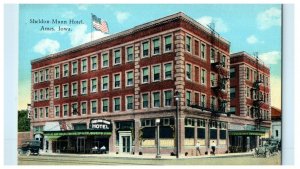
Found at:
[259, 99]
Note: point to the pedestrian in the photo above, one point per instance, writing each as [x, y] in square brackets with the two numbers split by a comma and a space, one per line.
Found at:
[197, 146]
[213, 147]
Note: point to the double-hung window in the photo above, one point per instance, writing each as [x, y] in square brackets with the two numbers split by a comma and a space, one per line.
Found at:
[104, 83]
[41, 76]
[117, 57]
[145, 100]
[168, 70]
[168, 97]
[74, 109]
[65, 90]
[74, 89]
[117, 104]
[57, 91]
[105, 105]
[94, 63]
[93, 106]
[168, 43]
[46, 74]
[117, 80]
[83, 87]
[36, 77]
[46, 93]
[188, 43]
[129, 78]
[145, 47]
[145, 75]
[156, 99]
[66, 70]
[66, 109]
[57, 111]
[156, 73]
[188, 98]
[74, 68]
[41, 94]
[129, 100]
[203, 76]
[83, 108]
[188, 71]
[203, 51]
[156, 46]
[94, 85]
[129, 54]
[105, 60]
[83, 65]
[57, 72]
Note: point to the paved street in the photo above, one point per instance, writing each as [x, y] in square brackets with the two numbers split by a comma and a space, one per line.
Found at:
[105, 160]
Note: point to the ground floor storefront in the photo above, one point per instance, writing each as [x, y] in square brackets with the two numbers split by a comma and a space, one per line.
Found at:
[138, 134]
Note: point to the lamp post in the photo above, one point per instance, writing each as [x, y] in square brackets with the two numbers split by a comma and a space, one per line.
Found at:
[177, 96]
[157, 121]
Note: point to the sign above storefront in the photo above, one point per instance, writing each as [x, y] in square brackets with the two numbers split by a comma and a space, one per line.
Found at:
[100, 125]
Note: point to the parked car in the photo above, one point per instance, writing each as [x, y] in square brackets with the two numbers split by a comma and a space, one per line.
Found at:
[269, 148]
[30, 147]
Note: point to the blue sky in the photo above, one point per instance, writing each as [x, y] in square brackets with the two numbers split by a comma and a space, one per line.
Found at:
[250, 28]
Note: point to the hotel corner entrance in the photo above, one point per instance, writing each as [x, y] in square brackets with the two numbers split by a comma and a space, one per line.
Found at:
[125, 141]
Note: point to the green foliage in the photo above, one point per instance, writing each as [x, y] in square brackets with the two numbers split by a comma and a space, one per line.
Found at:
[23, 121]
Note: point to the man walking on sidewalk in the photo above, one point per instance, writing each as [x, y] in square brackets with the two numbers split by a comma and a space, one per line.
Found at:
[213, 147]
[198, 148]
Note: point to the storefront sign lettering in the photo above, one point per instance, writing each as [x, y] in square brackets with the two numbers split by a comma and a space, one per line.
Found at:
[100, 124]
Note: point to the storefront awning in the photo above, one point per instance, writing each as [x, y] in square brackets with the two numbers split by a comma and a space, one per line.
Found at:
[246, 133]
[52, 138]
[76, 133]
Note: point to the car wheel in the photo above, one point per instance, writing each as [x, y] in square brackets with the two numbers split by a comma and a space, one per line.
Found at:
[268, 154]
[28, 152]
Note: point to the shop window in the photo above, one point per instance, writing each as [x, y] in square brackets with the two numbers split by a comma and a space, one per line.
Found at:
[189, 132]
[201, 133]
[223, 134]
[213, 133]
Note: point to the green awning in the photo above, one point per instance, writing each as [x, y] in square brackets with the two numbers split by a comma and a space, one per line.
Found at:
[52, 138]
[76, 133]
[246, 133]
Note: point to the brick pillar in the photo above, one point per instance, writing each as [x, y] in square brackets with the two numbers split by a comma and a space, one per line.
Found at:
[51, 93]
[136, 76]
[112, 138]
[180, 84]
[137, 127]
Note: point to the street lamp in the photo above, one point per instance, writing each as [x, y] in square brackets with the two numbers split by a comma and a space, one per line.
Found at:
[177, 97]
[157, 121]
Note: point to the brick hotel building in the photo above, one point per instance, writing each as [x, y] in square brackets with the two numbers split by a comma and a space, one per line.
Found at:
[110, 91]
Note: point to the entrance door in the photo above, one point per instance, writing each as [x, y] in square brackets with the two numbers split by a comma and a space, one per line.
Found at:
[81, 144]
[125, 141]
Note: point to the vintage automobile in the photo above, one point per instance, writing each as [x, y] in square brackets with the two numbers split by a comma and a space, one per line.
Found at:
[30, 147]
[269, 148]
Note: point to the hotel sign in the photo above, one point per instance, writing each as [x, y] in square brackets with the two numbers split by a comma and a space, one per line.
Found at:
[100, 125]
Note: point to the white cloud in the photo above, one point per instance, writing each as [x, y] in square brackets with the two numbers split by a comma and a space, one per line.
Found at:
[276, 91]
[220, 25]
[82, 7]
[122, 16]
[46, 46]
[252, 39]
[270, 58]
[268, 18]
[68, 15]
[80, 35]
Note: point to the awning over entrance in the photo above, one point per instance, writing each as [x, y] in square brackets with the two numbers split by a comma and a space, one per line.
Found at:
[52, 138]
[246, 133]
[76, 133]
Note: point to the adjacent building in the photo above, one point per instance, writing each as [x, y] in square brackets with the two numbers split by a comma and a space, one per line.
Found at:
[112, 91]
[250, 100]
[276, 123]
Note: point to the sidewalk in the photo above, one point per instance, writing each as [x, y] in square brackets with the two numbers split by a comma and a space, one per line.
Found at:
[145, 156]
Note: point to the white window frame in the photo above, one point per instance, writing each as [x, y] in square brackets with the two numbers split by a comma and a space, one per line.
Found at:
[215, 55]
[41, 94]
[55, 111]
[63, 86]
[91, 85]
[191, 72]
[102, 55]
[63, 113]
[46, 108]
[164, 43]
[205, 101]
[47, 92]
[58, 92]
[72, 72]
[142, 74]
[74, 94]
[191, 45]
[164, 70]
[152, 98]
[35, 95]
[91, 106]
[152, 72]
[152, 45]
[35, 77]
[67, 70]
[126, 101]
[114, 56]
[213, 81]
[164, 97]
[87, 87]
[106, 98]
[102, 83]
[86, 108]
[115, 103]
[191, 96]
[114, 80]
[72, 108]
[142, 100]
[46, 74]
[91, 62]
[41, 76]
[205, 77]
[126, 53]
[142, 49]
[81, 65]
[205, 52]
[39, 116]
[126, 78]
[55, 72]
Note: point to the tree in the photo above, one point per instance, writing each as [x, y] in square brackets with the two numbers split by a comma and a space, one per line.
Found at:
[23, 121]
